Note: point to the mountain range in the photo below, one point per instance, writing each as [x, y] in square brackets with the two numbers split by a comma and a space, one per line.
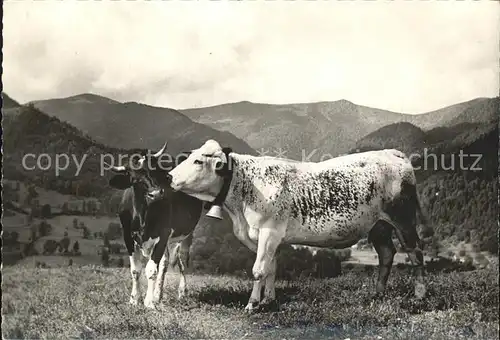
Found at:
[327, 127]
[299, 130]
[133, 125]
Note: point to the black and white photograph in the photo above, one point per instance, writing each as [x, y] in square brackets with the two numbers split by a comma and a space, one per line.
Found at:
[252, 169]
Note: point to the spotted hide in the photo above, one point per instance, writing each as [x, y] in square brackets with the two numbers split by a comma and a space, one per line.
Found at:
[153, 226]
[327, 204]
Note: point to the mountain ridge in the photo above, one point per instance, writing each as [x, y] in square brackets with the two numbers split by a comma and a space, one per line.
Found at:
[135, 125]
[326, 127]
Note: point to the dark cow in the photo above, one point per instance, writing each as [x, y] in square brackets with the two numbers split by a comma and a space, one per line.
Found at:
[150, 224]
[329, 204]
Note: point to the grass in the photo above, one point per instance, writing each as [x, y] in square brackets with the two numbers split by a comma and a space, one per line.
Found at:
[92, 302]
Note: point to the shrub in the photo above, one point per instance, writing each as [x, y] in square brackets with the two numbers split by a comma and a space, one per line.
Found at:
[105, 257]
[326, 264]
[85, 231]
[46, 211]
[349, 266]
[14, 237]
[115, 248]
[114, 230]
[76, 248]
[64, 244]
[50, 247]
[105, 241]
[39, 264]
[44, 229]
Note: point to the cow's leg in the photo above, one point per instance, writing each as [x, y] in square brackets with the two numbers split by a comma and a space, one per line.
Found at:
[410, 242]
[255, 296]
[270, 237]
[182, 263]
[160, 279]
[381, 238]
[135, 270]
[403, 216]
[134, 255]
[152, 271]
[269, 289]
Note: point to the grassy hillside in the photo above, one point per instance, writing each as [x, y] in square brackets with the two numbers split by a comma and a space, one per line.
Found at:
[92, 302]
[328, 127]
[8, 102]
[133, 125]
[479, 110]
[402, 136]
[32, 131]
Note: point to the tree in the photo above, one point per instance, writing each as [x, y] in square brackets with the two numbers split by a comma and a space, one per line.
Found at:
[14, 237]
[86, 232]
[106, 241]
[32, 194]
[46, 211]
[49, 247]
[44, 229]
[114, 230]
[105, 257]
[76, 248]
[64, 244]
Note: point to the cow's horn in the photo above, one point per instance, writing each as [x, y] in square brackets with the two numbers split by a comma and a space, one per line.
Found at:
[115, 168]
[159, 153]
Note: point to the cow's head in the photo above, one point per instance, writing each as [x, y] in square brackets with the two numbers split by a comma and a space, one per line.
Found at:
[146, 174]
[204, 173]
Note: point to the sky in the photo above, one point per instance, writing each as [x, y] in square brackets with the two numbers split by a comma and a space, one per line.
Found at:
[403, 56]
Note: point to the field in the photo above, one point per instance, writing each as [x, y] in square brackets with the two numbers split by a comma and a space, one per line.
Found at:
[92, 302]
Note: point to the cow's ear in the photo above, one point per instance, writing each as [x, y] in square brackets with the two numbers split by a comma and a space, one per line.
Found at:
[120, 181]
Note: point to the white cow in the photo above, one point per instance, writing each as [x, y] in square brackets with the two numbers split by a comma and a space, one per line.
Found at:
[327, 204]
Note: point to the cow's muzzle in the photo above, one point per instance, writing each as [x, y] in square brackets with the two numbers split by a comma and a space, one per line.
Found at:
[155, 195]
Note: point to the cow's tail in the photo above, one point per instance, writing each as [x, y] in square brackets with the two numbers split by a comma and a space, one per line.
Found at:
[424, 228]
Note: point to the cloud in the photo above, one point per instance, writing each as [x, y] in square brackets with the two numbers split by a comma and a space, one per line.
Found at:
[403, 56]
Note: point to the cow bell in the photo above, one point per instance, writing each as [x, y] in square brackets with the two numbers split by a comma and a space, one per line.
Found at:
[215, 212]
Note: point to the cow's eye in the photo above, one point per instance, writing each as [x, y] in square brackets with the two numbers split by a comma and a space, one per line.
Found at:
[197, 161]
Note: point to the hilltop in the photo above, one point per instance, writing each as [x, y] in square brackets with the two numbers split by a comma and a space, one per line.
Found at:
[327, 127]
[133, 125]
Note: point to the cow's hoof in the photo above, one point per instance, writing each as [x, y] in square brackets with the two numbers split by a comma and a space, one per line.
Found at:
[268, 304]
[266, 301]
[134, 301]
[420, 290]
[156, 299]
[378, 296]
[149, 304]
[251, 306]
[151, 270]
[181, 294]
